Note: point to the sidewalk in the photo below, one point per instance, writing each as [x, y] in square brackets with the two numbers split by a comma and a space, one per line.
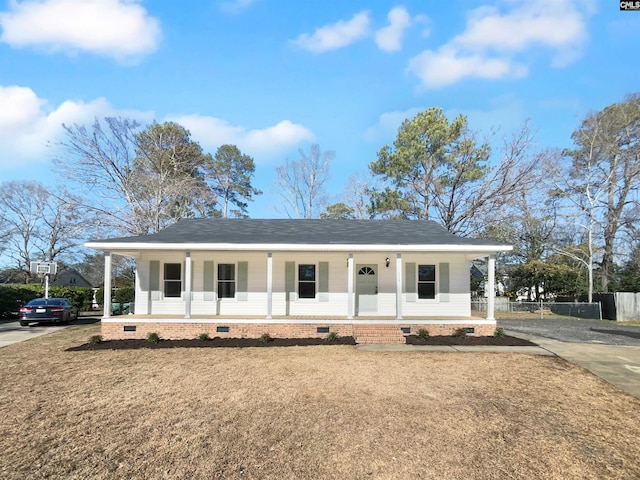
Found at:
[618, 365]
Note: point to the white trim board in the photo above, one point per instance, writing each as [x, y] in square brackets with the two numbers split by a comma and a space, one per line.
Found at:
[298, 322]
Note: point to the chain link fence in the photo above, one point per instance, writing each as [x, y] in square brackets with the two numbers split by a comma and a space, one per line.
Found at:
[505, 309]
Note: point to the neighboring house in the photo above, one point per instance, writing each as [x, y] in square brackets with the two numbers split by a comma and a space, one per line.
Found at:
[69, 278]
[479, 272]
[374, 279]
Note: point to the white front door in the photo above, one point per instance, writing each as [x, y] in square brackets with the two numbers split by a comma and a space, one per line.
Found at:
[366, 289]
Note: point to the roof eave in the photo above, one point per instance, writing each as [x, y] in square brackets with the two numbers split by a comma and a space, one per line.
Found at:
[294, 247]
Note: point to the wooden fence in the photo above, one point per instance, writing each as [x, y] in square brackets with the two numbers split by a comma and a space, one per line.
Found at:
[627, 306]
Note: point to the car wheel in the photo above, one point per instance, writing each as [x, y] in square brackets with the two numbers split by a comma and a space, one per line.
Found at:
[24, 324]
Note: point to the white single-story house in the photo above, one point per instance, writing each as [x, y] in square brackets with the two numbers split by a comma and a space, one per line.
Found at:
[374, 279]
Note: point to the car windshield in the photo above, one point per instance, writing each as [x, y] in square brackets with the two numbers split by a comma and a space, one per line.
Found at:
[45, 301]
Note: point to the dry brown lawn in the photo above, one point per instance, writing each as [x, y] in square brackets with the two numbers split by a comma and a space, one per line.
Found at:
[306, 413]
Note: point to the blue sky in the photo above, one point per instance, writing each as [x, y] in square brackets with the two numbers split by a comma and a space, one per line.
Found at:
[273, 76]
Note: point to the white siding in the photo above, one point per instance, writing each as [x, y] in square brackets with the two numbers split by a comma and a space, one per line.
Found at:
[256, 297]
[336, 305]
[459, 303]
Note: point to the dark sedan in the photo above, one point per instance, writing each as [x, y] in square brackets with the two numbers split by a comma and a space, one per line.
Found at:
[57, 310]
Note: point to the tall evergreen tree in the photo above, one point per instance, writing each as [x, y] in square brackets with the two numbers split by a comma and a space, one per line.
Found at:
[229, 173]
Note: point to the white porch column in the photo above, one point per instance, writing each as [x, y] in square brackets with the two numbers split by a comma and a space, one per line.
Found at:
[491, 299]
[187, 285]
[269, 285]
[350, 298]
[399, 286]
[107, 285]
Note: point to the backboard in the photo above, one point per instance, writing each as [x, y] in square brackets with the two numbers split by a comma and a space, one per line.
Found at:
[44, 268]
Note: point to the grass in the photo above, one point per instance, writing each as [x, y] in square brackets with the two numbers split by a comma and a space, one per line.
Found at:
[306, 413]
[632, 323]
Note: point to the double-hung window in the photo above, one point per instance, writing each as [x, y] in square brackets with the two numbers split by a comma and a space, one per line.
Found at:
[306, 281]
[172, 279]
[226, 280]
[427, 281]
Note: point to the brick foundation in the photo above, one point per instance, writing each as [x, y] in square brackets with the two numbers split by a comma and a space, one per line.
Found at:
[364, 333]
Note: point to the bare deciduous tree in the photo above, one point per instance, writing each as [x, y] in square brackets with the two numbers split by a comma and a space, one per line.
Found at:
[583, 194]
[100, 160]
[605, 169]
[302, 183]
[39, 225]
[135, 181]
[357, 194]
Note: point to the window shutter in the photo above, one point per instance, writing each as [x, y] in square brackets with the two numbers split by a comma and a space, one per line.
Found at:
[410, 278]
[323, 281]
[443, 278]
[243, 282]
[410, 284]
[154, 279]
[208, 283]
[289, 279]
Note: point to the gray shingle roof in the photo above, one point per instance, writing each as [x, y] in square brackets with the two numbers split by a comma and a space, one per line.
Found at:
[305, 232]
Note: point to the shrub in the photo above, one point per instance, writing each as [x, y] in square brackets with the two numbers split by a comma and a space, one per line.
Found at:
[265, 338]
[100, 296]
[204, 337]
[332, 337]
[423, 333]
[93, 339]
[460, 332]
[12, 297]
[76, 295]
[153, 337]
[124, 295]
[499, 332]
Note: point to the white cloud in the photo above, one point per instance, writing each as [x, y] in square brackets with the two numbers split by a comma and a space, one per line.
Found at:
[389, 38]
[495, 43]
[335, 36]
[121, 29]
[29, 123]
[556, 24]
[212, 132]
[448, 65]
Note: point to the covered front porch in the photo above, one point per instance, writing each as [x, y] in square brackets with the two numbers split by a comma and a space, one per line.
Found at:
[264, 288]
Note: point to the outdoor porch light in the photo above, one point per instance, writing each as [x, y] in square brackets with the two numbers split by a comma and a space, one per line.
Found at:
[387, 261]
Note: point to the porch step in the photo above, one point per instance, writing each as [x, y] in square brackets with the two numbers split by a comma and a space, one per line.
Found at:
[378, 334]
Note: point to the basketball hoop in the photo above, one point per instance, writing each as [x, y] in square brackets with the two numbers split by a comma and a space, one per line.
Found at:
[44, 269]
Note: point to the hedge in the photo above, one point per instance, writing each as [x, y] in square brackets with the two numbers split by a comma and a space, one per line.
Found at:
[13, 296]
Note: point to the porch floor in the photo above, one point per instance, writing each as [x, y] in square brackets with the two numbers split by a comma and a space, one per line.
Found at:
[296, 318]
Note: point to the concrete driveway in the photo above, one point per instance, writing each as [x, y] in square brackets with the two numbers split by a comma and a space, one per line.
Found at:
[597, 332]
[11, 331]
